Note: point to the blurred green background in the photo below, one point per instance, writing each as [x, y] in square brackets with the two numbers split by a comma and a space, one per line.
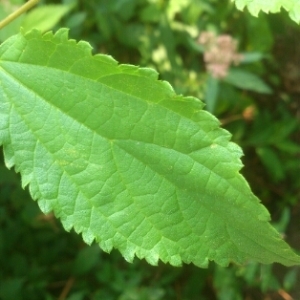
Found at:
[257, 99]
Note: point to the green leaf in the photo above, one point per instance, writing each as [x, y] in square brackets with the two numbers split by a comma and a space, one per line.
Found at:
[122, 159]
[45, 17]
[273, 6]
[247, 81]
[86, 259]
[259, 33]
[6, 8]
[272, 162]
[251, 57]
[42, 17]
[211, 93]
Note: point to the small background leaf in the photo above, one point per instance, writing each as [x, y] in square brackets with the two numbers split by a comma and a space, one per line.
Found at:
[45, 17]
[41, 17]
[251, 57]
[211, 93]
[247, 81]
[6, 8]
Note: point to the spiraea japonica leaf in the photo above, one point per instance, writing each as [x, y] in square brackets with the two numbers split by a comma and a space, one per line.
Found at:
[122, 159]
[273, 6]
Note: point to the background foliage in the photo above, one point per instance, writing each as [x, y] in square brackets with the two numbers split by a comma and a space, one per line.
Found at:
[40, 261]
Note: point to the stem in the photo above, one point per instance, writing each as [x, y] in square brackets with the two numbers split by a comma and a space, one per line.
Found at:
[26, 6]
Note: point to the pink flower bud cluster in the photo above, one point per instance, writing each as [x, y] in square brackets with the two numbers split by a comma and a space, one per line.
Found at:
[219, 53]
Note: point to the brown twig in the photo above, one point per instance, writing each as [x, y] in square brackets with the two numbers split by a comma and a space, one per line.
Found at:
[285, 295]
[66, 288]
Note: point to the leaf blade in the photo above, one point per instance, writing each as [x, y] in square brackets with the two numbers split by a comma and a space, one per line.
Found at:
[248, 81]
[273, 6]
[122, 159]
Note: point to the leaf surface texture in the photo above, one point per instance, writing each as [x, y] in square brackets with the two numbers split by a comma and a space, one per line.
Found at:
[122, 159]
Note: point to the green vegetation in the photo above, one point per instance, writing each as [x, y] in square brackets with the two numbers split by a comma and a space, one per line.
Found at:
[169, 187]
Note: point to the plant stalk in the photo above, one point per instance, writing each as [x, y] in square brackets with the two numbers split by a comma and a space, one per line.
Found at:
[26, 6]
